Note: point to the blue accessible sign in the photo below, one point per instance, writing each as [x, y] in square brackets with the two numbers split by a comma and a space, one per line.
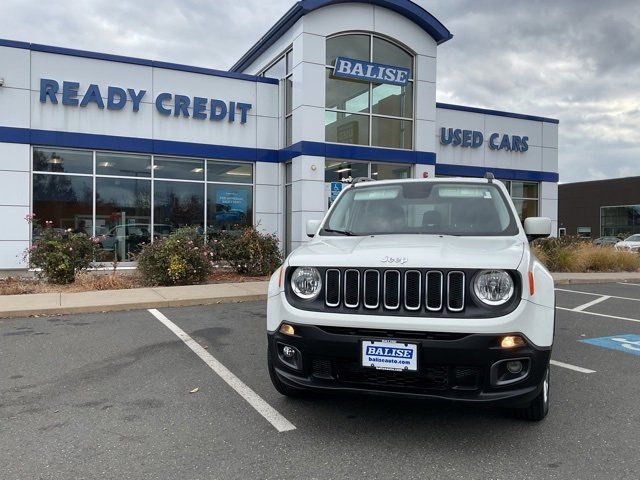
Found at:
[336, 188]
[629, 343]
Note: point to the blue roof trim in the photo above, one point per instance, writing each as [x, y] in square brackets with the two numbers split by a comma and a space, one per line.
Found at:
[202, 150]
[499, 113]
[135, 145]
[504, 173]
[355, 152]
[35, 47]
[406, 8]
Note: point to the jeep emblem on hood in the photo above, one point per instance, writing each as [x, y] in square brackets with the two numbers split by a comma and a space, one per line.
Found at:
[399, 260]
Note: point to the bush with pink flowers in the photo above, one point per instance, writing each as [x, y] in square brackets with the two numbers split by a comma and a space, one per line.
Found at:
[59, 255]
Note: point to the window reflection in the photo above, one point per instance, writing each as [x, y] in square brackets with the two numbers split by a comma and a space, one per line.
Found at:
[123, 216]
[123, 164]
[346, 128]
[62, 161]
[64, 200]
[176, 205]
[178, 168]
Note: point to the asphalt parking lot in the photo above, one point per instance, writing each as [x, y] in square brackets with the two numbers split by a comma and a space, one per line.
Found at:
[108, 396]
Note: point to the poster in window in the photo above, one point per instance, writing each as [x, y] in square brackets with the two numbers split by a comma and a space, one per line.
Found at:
[232, 205]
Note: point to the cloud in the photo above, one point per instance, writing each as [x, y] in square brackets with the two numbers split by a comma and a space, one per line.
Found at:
[576, 60]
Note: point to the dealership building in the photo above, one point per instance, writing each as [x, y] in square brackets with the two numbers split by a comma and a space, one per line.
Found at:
[127, 149]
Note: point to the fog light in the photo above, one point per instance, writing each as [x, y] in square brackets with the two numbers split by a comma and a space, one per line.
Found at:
[287, 329]
[514, 367]
[289, 352]
[511, 341]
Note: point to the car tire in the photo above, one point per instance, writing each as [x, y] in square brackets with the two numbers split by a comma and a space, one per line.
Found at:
[538, 409]
[281, 387]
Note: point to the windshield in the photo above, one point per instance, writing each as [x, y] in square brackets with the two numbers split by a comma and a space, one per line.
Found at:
[633, 238]
[427, 208]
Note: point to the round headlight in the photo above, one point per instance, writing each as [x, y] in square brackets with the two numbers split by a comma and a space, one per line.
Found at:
[306, 282]
[493, 287]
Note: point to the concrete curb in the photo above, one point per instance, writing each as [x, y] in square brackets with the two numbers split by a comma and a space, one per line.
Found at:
[12, 306]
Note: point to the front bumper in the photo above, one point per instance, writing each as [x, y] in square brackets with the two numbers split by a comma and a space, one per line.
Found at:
[452, 366]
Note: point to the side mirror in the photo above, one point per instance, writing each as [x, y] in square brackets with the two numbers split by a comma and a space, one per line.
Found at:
[537, 227]
[312, 227]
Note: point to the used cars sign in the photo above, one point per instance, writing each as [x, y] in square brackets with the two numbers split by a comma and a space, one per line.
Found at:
[370, 72]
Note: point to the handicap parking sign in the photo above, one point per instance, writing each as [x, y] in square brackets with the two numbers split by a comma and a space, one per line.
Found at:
[336, 188]
[629, 343]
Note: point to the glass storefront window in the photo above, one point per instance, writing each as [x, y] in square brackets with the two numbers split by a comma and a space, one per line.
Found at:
[351, 46]
[389, 53]
[62, 161]
[288, 125]
[388, 109]
[526, 208]
[123, 164]
[392, 100]
[229, 207]
[346, 128]
[176, 205]
[123, 216]
[338, 171]
[390, 171]
[620, 221]
[64, 200]
[346, 95]
[277, 70]
[178, 168]
[390, 132]
[524, 189]
[227, 172]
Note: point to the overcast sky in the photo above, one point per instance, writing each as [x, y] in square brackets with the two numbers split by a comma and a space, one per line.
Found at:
[576, 60]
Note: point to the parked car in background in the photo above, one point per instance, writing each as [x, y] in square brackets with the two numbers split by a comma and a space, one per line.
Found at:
[630, 243]
[606, 241]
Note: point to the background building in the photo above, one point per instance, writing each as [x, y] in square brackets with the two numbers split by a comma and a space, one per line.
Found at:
[128, 149]
[599, 208]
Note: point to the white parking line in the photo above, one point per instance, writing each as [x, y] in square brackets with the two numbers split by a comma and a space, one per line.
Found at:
[629, 283]
[599, 314]
[263, 408]
[580, 308]
[597, 294]
[571, 367]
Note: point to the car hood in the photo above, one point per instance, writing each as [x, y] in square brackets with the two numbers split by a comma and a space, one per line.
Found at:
[411, 251]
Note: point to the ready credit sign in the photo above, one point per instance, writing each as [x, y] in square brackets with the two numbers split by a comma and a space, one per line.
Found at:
[370, 72]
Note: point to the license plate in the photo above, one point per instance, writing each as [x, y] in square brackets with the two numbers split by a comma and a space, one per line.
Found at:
[390, 355]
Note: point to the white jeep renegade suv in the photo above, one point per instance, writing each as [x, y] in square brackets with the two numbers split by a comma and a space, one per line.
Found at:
[419, 288]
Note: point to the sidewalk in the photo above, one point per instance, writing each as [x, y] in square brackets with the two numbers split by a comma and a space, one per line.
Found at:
[160, 297]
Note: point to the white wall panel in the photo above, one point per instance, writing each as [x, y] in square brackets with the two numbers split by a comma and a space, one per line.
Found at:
[549, 208]
[214, 132]
[308, 85]
[529, 160]
[425, 100]
[425, 140]
[425, 68]
[446, 118]
[268, 223]
[514, 126]
[550, 135]
[91, 119]
[549, 159]
[339, 18]
[313, 48]
[11, 254]
[420, 170]
[459, 156]
[267, 132]
[405, 31]
[308, 124]
[87, 70]
[14, 107]
[267, 100]
[267, 199]
[307, 167]
[309, 196]
[267, 173]
[15, 156]
[14, 188]
[549, 190]
[14, 226]
[14, 67]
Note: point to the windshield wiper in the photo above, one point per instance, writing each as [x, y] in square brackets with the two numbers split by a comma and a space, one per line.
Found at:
[340, 232]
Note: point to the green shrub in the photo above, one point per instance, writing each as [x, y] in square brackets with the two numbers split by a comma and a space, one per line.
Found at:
[250, 252]
[59, 255]
[179, 259]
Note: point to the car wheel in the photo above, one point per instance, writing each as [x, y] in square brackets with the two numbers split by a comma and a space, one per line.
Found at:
[281, 387]
[539, 406]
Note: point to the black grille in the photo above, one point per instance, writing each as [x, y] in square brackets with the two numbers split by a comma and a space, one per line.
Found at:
[412, 290]
[455, 288]
[371, 289]
[429, 378]
[434, 291]
[392, 289]
[351, 288]
[322, 368]
[332, 287]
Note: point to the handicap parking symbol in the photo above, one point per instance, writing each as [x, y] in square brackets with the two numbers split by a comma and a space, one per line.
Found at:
[628, 343]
